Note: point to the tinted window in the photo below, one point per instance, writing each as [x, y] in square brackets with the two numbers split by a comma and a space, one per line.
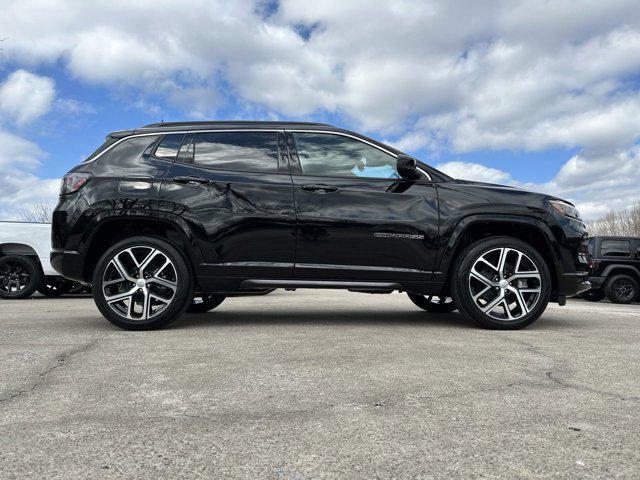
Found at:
[243, 151]
[169, 146]
[615, 248]
[128, 150]
[338, 156]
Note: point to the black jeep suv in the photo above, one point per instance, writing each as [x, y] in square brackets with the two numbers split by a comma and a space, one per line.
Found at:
[172, 212]
[614, 269]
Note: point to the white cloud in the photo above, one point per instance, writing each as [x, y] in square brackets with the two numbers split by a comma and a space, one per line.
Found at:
[20, 188]
[438, 75]
[475, 171]
[25, 96]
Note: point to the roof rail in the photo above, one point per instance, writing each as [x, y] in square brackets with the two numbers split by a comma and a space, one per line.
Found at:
[229, 122]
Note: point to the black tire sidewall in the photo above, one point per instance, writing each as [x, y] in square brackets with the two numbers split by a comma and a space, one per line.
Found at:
[462, 296]
[422, 302]
[179, 304]
[209, 302]
[35, 276]
[44, 289]
[611, 295]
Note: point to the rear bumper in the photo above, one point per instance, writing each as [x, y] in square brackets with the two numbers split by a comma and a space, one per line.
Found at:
[68, 264]
[573, 283]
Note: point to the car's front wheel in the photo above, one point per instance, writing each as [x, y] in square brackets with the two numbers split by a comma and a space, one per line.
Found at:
[592, 295]
[501, 283]
[54, 286]
[622, 289]
[19, 276]
[204, 303]
[142, 283]
[433, 304]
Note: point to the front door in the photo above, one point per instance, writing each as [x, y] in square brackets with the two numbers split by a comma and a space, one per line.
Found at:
[356, 218]
[234, 190]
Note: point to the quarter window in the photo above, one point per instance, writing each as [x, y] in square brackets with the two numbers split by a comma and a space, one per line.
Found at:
[616, 248]
[169, 146]
[239, 151]
[325, 154]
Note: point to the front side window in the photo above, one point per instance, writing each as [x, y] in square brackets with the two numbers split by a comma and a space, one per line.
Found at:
[615, 248]
[328, 155]
[239, 151]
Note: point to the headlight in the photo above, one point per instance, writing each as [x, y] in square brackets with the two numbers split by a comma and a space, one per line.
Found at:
[565, 209]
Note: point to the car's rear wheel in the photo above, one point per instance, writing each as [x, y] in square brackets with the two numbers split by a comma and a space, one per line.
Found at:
[501, 283]
[142, 283]
[54, 286]
[593, 295]
[433, 303]
[19, 276]
[622, 289]
[204, 303]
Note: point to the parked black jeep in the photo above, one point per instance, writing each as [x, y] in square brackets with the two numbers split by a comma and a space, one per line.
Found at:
[614, 269]
[170, 212]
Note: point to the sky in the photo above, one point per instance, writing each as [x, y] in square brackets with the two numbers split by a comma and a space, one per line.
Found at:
[544, 95]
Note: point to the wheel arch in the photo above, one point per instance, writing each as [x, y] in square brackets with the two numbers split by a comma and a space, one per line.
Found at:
[616, 269]
[106, 230]
[477, 227]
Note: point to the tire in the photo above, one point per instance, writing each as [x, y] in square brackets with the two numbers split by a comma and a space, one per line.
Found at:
[158, 299]
[491, 296]
[621, 289]
[204, 303]
[77, 288]
[593, 295]
[433, 304]
[19, 276]
[54, 286]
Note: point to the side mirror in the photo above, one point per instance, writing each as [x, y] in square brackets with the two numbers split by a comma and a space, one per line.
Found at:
[638, 253]
[407, 167]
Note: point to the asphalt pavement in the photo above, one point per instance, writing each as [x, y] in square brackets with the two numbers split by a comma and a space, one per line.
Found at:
[318, 384]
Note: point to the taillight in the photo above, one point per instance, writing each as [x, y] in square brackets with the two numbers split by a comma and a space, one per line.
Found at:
[72, 182]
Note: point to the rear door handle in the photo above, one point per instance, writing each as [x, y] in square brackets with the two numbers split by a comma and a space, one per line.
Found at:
[192, 180]
[312, 187]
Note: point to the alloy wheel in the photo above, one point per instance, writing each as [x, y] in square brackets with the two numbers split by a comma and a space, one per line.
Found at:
[13, 277]
[139, 282]
[624, 290]
[505, 284]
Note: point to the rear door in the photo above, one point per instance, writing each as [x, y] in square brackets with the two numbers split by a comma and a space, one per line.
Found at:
[234, 190]
[357, 219]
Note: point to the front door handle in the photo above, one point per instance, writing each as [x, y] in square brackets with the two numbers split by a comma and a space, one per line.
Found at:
[192, 180]
[312, 187]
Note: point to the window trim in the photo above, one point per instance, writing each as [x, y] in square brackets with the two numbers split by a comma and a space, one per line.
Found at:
[280, 130]
[328, 132]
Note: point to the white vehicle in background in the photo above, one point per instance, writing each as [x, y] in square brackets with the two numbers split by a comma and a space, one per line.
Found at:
[24, 262]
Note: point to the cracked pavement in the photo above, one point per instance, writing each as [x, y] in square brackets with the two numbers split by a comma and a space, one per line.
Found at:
[318, 384]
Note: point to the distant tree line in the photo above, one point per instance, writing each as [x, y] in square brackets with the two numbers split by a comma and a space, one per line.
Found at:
[625, 223]
[39, 213]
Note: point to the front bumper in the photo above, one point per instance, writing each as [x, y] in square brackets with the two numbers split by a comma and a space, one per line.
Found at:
[68, 264]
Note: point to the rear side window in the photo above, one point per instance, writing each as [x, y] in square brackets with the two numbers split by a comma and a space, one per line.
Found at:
[237, 151]
[169, 146]
[128, 150]
[615, 248]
